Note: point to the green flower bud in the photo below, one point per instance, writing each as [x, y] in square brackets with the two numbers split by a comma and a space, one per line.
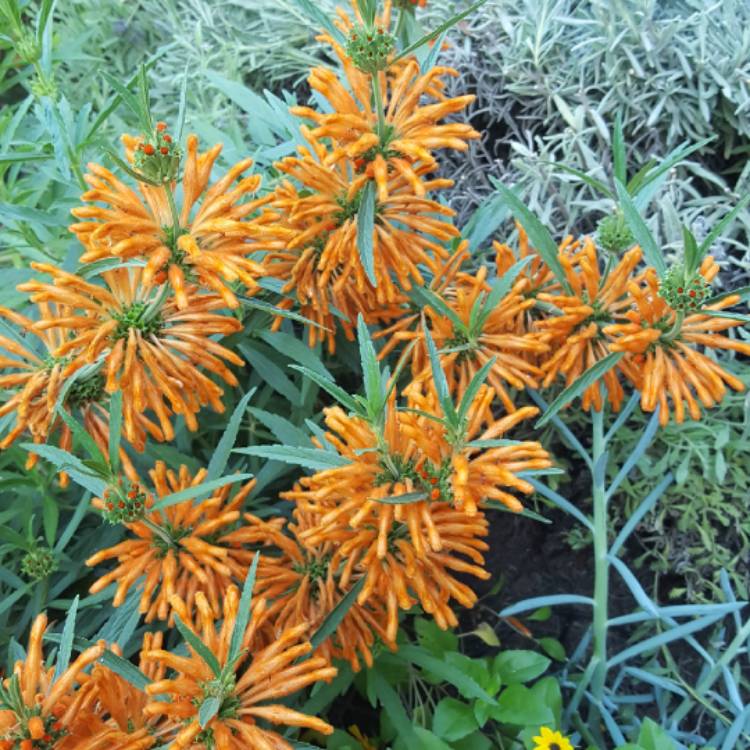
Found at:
[370, 49]
[681, 293]
[614, 234]
[124, 507]
[38, 563]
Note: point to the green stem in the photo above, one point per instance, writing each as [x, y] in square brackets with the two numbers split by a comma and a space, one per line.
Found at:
[674, 331]
[601, 564]
[159, 531]
[378, 99]
[173, 210]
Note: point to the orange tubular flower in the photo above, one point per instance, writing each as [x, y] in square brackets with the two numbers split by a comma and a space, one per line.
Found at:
[174, 547]
[42, 707]
[409, 549]
[151, 349]
[258, 676]
[481, 337]
[303, 587]
[664, 343]
[116, 720]
[213, 240]
[578, 338]
[322, 265]
[413, 103]
[35, 376]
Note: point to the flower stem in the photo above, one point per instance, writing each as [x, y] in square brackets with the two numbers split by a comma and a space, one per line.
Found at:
[378, 99]
[601, 563]
[173, 210]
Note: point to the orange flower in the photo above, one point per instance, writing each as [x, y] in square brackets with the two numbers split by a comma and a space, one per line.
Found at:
[404, 510]
[665, 345]
[476, 333]
[213, 240]
[151, 349]
[303, 587]
[258, 676]
[36, 377]
[322, 265]
[174, 547]
[39, 705]
[413, 103]
[578, 338]
[116, 720]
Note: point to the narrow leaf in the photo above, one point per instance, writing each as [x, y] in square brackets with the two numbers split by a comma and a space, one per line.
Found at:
[594, 373]
[716, 232]
[66, 642]
[209, 708]
[366, 230]
[619, 157]
[405, 499]
[329, 626]
[311, 458]
[198, 646]
[651, 251]
[115, 429]
[538, 234]
[329, 386]
[220, 457]
[204, 488]
[243, 612]
[128, 671]
[321, 19]
[68, 463]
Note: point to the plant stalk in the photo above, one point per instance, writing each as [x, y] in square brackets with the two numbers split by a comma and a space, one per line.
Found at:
[601, 563]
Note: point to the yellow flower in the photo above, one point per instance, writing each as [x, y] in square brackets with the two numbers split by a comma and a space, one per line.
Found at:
[549, 740]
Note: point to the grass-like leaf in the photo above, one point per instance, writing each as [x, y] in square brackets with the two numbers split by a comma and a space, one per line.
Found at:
[336, 615]
[198, 646]
[204, 488]
[576, 389]
[67, 462]
[619, 157]
[220, 457]
[66, 641]
[329, 386]
[115, 429]
[651, 251]
[243, 613]
[538, 234]
[405, 499]
[209, 708]
[366, 231]
[716, 232]
[311, 458]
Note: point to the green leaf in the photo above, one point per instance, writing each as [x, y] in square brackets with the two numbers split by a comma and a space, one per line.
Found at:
[473, 388]
[693, 255]
[266, 307]
[27, 214]
[125, 167]
[198, 646]
[518, 706]
[743, 292]
[432, 638]
[424, 297]
[50, 518]
[243, 613]
[144, 98]
[484, 222]
[462, 682]
[209, 708]
[98, 459]
[453, 719]
[220, 457]
[366, 230]
[441, 384]
[130, 99]
[24, 156]
[519, 666]
[651, 251]
[596, 185]
[435, 33]
[390, 701]
[370, 368]
[204, 488]
[552, 647]
[500, 289]
[728, 315]
[670, 160]
[368, 9]
[66, 642]
[538, 234]
[653, 737]
[310, 458]
[337, 614]
[619, 157]
[716, 232]
[405, 499]
[329, 386]
[128, 671]
[115, 429]
[183, 105]
[299, 351]
[321, 19]
[589, 377]
[68, 463]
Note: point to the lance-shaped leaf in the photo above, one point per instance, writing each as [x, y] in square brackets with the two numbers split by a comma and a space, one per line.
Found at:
[366, 231]
[651, 251]
[336, 615]
[311, 458]
[204, 488]
[200, 648]
[220, 457]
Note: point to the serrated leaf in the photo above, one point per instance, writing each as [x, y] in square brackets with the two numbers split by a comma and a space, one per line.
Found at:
[220, 457]
[66, 641]
[204, 488]
[716, 232]
[329, 386]
[197, 645]
[311, 458]
[593, 374]
[129, 672]
[441, 384]
[370, 368]
[68, 463]
[243, 612]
